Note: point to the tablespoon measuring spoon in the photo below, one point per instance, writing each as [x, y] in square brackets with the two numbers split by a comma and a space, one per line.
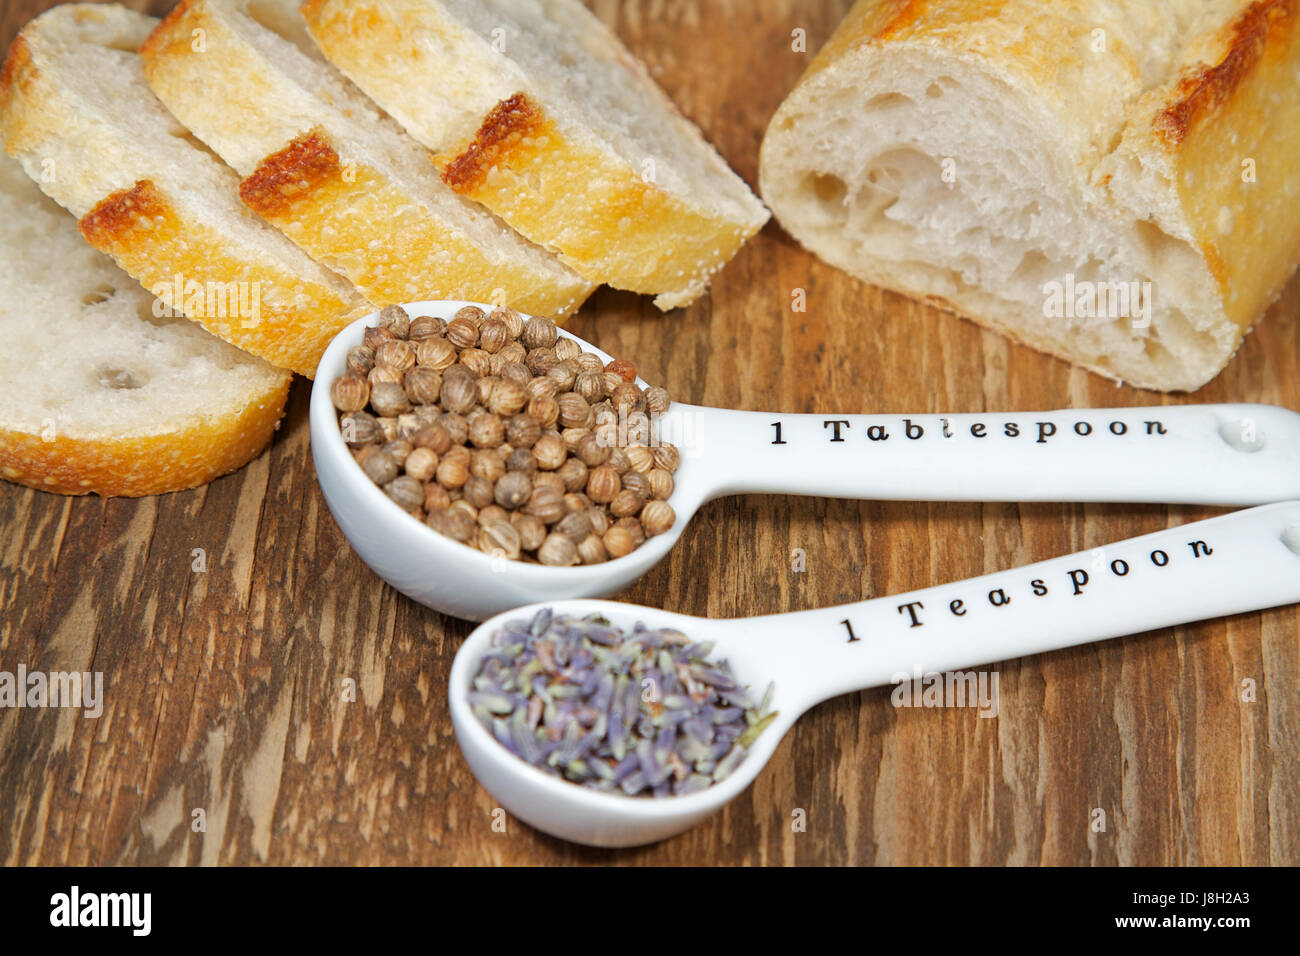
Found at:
[1243, 561]
[1192, 454]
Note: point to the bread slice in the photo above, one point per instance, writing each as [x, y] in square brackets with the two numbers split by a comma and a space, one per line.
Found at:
[337, 177]
[538, 112]
[1031, 165]
[76, 111]
[100, 394]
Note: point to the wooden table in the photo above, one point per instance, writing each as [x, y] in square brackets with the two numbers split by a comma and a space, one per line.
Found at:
[225, 686]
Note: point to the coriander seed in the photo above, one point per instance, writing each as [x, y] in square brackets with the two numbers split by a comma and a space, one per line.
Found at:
[389, 400]
[518, 373]
[452, 472]
[558, 551]
[493, 336]
[546, 503]
[380, 467]
[592, 451]
[532, 532]
[633, 527]
[433, 437]
[548, 479]
[657, 517]
[349, 393]
[376, 336]
[661, 484]
[421, 463]
[575, 524]
[453, 525]
[539, 333]
[591, 550]
[499, 538]
[435, 496]
[395, 354]
[406, 491]
[589, 362]
[477, 361]
[639, 457]
[486, 430]
[545, 409]
[459, 391]
[426, 327]
[493, 512]
[472, 314]
[574, 474]
[623, 369]
[436, 353]
[667, 457]
[506, 397]
[487, 463]
[359, 428]
[522, 460]
[395, 318]
[656, 400]
[477, 491]
[563, 374]
[603, 484]
[627, 398]
[398, 450]
[599, 519]
[638, 482]
[522, 431]
[549, 451]
[574, 411]
[590, 386]
[360, 360]
[618, 541]
[461, 506]
[422, 385]
[381, 374]
[513, 490]
[566, 349]
[540, 361]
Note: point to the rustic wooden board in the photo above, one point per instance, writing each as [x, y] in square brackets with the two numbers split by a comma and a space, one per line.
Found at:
[224, 687]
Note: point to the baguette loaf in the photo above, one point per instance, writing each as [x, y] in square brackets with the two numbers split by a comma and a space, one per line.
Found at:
[1113, 183]
[76, 111]
[325, 167]
[538, 112]
[100, 395]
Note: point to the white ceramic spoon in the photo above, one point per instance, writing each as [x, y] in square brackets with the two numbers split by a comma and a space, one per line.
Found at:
[1191, 454]
[1240, 562]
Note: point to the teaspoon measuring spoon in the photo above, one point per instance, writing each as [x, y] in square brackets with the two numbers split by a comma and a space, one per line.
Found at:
[1245, 561]
[1177, 454]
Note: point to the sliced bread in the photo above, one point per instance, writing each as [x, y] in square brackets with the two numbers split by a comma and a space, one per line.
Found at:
[329, 170]
[76, 111]
[101, 395]
[1116, 186]
[537, 111]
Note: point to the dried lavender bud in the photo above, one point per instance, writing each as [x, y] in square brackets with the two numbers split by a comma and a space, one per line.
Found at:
[568, 695]
[349, 393]
[539, 333]
[426, 327]
[422, 385]
[558, 551]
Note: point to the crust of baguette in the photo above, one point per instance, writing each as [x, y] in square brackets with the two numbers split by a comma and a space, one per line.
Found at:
[341, 210]
[143, 230]
[1174, 163]
[177, 456]
[603, 217]
[584, 202]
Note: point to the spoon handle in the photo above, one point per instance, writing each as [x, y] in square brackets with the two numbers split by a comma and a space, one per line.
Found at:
[1244, 561]
[1177, 454]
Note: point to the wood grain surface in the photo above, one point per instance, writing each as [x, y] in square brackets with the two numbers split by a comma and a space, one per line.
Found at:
[224, 687]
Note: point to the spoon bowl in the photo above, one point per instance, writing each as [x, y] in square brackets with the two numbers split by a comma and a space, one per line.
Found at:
[1192, 454]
